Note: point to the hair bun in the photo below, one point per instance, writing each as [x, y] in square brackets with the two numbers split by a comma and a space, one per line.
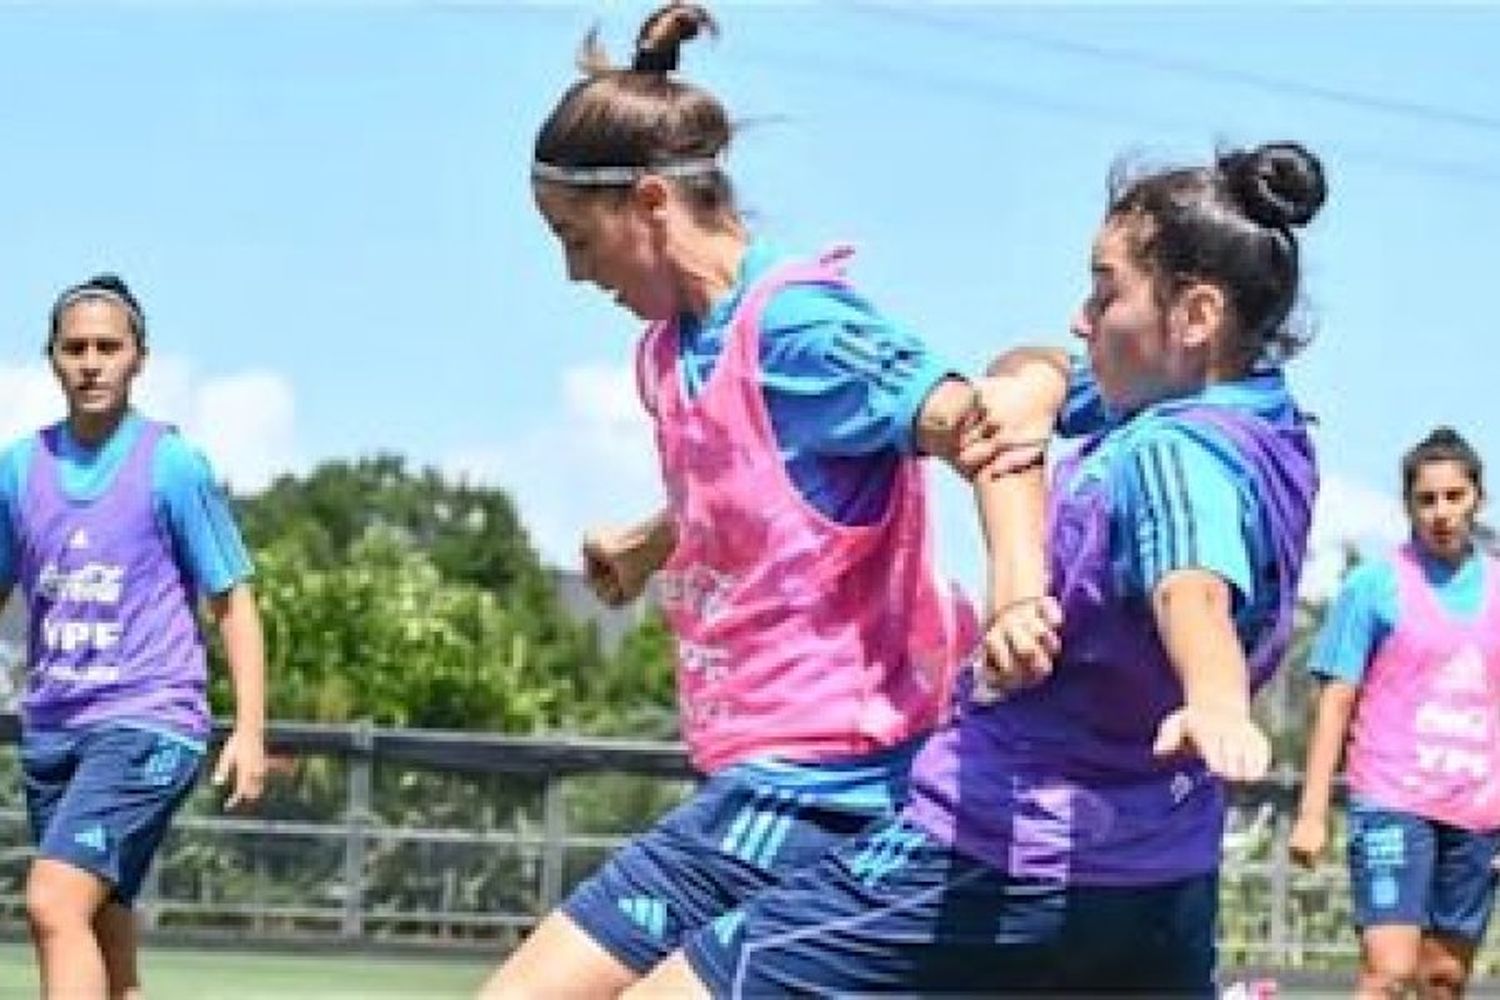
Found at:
[659, 43]
[1445, 435]
[1279, 184]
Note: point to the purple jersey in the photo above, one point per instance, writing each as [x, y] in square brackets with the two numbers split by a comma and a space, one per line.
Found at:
[1059, 782]
[112, 630]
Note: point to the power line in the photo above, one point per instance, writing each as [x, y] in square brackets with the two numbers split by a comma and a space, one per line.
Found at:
[999, 96]
[970, 28]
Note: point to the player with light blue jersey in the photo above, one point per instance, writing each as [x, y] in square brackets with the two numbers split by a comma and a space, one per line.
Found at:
[112, 529]
[1408, 661]
[815, 638]
[1062, 831]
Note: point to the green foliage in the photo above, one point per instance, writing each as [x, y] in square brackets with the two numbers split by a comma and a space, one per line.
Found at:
[412, 601]
[407, 600]
[634, 695]
[472, 533]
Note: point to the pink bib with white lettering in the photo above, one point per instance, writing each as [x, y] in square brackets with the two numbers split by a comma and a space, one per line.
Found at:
[797, 637]
[1426, 732]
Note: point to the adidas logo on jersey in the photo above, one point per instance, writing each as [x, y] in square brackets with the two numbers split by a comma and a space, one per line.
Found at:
[650, 915]
[91, 837]
[79, 540]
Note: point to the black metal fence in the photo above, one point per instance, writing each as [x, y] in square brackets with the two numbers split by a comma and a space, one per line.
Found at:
[461, 839]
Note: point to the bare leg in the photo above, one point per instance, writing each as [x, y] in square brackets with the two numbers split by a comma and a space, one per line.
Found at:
[114, 928]
[1444, 965]
[558, 961]
[1389, 960]
[61, 904]
[674, 979]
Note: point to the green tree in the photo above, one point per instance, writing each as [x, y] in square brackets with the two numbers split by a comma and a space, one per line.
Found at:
[411, 600]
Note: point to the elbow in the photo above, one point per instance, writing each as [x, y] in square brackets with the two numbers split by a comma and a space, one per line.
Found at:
[1338, 698]
[1028, 358]
[1195, 594]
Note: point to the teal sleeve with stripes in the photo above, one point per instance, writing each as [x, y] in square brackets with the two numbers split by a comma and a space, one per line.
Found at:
[196, 512]
[1356, 623]
[12, 465]
[1183, 505]
[841, 378]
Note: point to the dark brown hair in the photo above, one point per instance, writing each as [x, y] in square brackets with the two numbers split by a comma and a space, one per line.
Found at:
[643, 115]
[1444, 444]
[99, 288]
[1229, 224]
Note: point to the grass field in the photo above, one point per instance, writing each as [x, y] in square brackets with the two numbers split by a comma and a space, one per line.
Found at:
[173, 973]
[201, 974]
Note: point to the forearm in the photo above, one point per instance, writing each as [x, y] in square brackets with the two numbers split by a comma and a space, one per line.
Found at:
[1012, 516]
[1193, 615]
[1325, 747]
[1022, 393]
[244, 648]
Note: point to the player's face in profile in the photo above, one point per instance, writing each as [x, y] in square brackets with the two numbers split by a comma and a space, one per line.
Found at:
[1123, 325]
[608, 241]
[95, 357]
[1442, 503]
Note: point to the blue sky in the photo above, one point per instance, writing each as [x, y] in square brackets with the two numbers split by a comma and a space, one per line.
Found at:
[325, 211]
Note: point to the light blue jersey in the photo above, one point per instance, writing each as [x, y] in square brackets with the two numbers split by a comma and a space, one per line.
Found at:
[1187, 501]
[190, 506]
[1365, 611]
[843, 385]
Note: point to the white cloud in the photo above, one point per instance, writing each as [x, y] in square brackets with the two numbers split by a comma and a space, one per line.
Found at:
[245, 422]
[1348, 513]
[592, 463]
[28, 399]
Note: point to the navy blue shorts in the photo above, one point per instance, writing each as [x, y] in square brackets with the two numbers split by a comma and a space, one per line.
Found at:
[895, 911]
[1409, 870]
[101, 800]
[732, 839]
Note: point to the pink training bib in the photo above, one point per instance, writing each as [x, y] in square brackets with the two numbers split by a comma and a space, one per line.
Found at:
[1425, 737]
[797, 637]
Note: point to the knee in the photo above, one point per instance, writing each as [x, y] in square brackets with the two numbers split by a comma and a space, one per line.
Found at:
[1387, 976]
[1443, 978]
[51, 910]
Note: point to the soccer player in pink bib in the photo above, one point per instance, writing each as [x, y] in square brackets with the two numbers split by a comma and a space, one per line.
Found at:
[1064, 838]
[1410, 663]
[816, 643]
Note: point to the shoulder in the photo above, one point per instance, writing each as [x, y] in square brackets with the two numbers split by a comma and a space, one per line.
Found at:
[1172, 443]
[807, 307]
[17, 450]
[178, 463]
[15, 456]
[1369, 580]
[799, 304]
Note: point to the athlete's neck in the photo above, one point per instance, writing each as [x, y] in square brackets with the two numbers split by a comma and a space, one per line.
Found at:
[93, 429]
[1445, 562]
[709, 268]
